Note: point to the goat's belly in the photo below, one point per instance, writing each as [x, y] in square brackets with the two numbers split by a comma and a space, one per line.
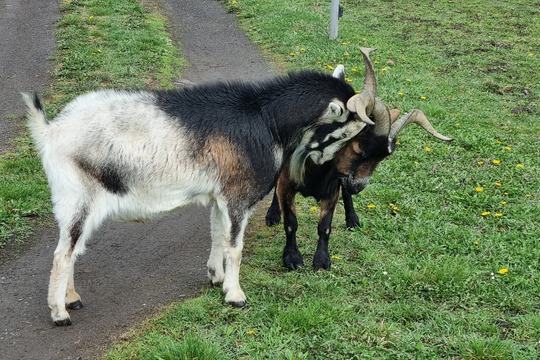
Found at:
[141, 205]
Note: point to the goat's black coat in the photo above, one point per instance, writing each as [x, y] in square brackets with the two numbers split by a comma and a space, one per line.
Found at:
[256, 116]
[323, 182]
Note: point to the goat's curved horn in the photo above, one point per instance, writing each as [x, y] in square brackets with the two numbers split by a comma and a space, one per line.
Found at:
[381, 114]
[363, 103]
[418, 117]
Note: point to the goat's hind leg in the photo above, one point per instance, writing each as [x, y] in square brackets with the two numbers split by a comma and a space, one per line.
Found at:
[62, 294]
[61, 279]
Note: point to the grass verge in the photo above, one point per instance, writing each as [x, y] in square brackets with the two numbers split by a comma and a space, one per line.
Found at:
[446, 262]
[101, 43]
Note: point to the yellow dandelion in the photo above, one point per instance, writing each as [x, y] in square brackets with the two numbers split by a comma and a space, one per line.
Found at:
[507, 148]
[345, 54]
[502, 271]
[457, 124]
[345, 43]
[479, 189]
[292, 54]
[486, 213]
[371, 206]
[91, 17]
[335, 257]
[408, 80]
[423, 97]
[496, 162]
[384, 69]
[376, 62]
[302, 49]
[498, 214]
[427, 149]
[498, 183]
[476, 243]
[499, 142]
[503, 202]
[480, 163]
[528, 195]
[250, 332]
[531, 54]
[349, 80]
[520, 166]
[330, 67]
[354, 70]
[314, 209]
[400, 93]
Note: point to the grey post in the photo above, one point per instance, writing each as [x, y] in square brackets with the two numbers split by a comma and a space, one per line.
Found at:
[334, 15]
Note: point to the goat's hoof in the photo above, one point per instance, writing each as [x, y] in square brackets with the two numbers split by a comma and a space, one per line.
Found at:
[216, 283]
[272, 219]
[63, 322]
[238, 304]
[293, 264]
[76, 305]
[321, 263]
[352, 223]
[292, 260]
[216, 278]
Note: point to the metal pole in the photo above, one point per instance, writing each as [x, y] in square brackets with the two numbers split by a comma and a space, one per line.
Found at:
[334, 15]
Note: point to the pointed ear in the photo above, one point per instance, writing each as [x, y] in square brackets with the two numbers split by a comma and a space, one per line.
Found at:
[339, 72]
[394, 113]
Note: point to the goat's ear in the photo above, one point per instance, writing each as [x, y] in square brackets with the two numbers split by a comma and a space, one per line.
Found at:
[339, 72]
[394, 113]
[335, 109]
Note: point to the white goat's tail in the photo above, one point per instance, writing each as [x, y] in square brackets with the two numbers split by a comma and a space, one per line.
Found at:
[37, 120]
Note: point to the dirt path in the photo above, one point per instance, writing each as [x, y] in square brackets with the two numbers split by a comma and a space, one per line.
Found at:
[26, 42]
[129, 270]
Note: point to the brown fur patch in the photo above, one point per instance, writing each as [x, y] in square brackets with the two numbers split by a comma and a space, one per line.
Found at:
[284, 190]
[347, 154]
[235, 172]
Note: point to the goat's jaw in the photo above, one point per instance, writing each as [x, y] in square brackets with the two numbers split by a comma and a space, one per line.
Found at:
[354, 186]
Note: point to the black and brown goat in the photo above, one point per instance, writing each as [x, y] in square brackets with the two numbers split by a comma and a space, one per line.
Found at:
[350, 170]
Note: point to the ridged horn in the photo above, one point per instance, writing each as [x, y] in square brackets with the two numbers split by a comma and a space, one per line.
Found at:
[381, 114]
[363, 103]
[418, 117]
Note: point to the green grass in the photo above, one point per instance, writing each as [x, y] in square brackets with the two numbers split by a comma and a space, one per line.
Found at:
[101, 43]
[422, 281]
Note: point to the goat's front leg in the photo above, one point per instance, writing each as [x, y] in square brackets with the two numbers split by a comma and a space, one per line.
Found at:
[351, 218]
[219, 228]
[233, 245]
[273, 215]
[321, 259]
